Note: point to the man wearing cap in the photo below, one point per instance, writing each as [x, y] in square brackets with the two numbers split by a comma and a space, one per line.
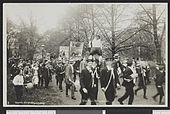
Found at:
[159, 81]
[108, 81]
[128, 83]
[69, 78]
[86, 83]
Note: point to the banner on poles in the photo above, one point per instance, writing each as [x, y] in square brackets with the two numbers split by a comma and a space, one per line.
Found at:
[64, 52]
[76, 50]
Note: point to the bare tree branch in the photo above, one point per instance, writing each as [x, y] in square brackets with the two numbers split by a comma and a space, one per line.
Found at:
[107, 37]
[106, 18]
[132, 35]
[126, 46]
[123, 49]
[160, 15]
[146, 21]
[124, 31]
[120, 14]
[128, 38]
[146, 12]
[147, 31]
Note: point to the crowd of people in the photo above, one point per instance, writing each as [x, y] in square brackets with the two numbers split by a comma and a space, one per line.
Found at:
[94, 72]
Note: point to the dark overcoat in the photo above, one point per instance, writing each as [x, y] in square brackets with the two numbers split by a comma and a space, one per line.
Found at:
[86, 82]
[127, 75]
[104, 79]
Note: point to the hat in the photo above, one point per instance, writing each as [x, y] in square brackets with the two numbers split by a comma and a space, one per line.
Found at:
[59, 61]
[161, 67]
[137, 65]
[96, 61]
[89, 60]
[116, 55]
[109, 59]
[71, 60]
[129, 62]
[90, 57]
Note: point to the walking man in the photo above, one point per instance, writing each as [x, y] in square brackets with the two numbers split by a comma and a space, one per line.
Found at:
[108, 82]
[87, 84]
[141, 81]
[159, 81]
[69, 79]
[60, 74]
[128, 83]
[46, 75]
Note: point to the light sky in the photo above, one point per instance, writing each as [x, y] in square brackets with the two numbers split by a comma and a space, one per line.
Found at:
[46, 15]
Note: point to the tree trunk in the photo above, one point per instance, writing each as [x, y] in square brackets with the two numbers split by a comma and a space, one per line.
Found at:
[157, 44]
[112, 28]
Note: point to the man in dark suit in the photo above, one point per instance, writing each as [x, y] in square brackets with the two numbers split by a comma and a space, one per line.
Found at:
[128, 83]
[60, 73]
[141, 81]
[96, 72]
[87, 84]
[159, 81]
[46, 75]
[108, 81]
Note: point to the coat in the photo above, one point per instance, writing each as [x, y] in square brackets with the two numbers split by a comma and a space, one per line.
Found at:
[60, 71]
[89, 82]
[46, 73]
[14, 70]
[141, 78]
[127, 75]
[159, 78]
[85, 79]
[82, 65]
[104, 79]
[69, 74]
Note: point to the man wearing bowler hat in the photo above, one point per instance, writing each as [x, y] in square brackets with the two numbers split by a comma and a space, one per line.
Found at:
[86, 83]
[108, 81]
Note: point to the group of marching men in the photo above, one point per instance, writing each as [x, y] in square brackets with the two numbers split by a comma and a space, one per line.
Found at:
[91, 71]
[109, 75]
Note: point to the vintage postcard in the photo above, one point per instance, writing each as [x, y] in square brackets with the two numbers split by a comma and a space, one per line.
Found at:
[85, 55]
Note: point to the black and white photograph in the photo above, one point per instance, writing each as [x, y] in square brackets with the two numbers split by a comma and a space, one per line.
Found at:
[85, 55]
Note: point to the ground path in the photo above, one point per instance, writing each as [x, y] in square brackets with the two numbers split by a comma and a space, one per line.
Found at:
[138, 100]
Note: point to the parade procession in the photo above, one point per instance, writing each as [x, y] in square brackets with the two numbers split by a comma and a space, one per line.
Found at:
[95, 60]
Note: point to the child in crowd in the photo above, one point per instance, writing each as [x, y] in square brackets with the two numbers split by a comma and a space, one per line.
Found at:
[18, 82]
